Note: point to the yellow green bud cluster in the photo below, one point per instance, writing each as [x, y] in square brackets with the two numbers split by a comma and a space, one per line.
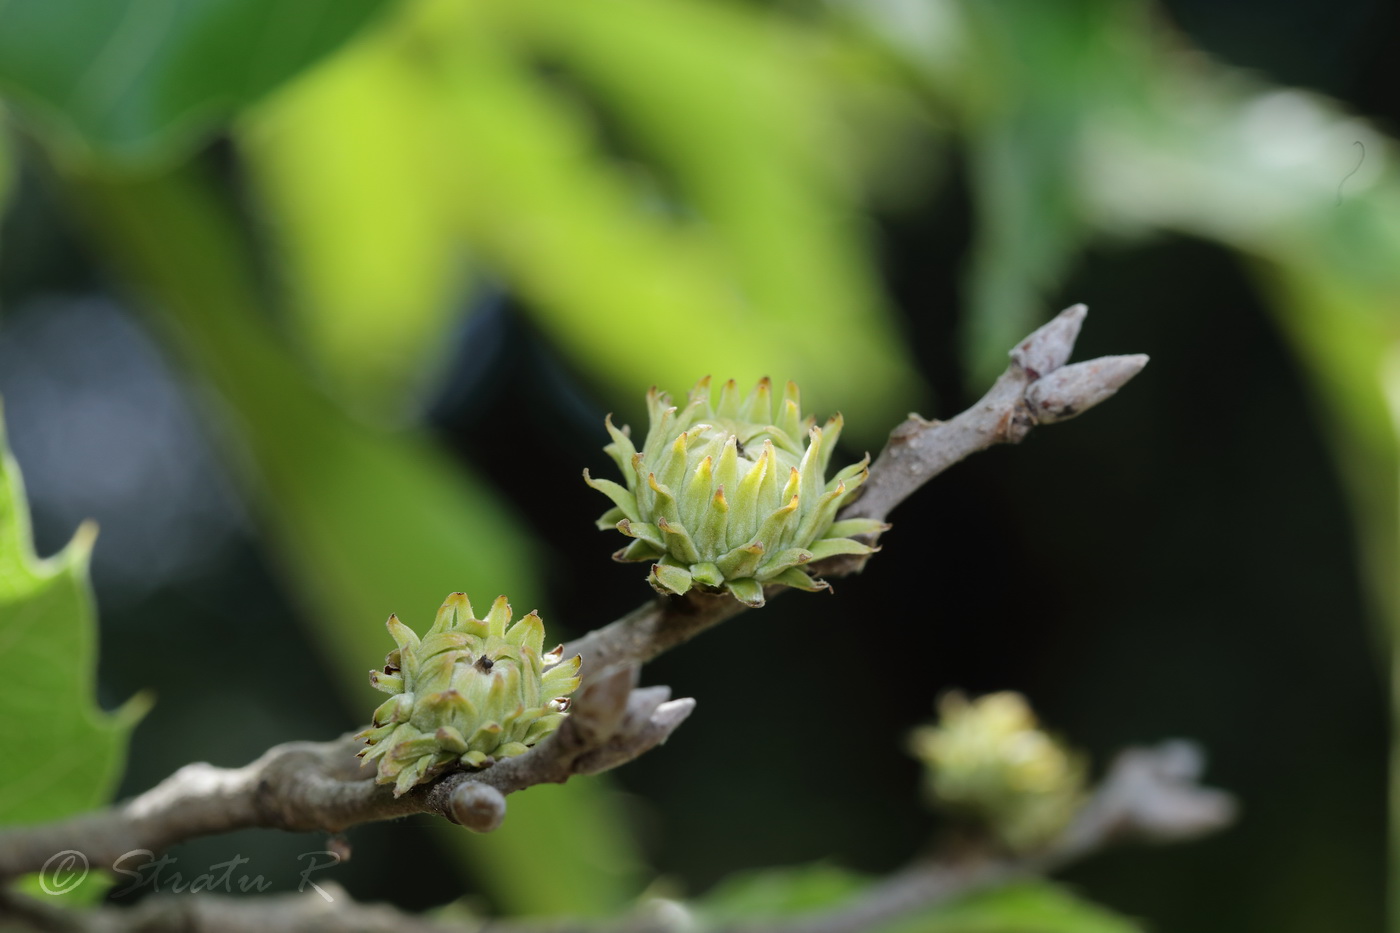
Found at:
[467, 693]
[988, 759]
[732, 495]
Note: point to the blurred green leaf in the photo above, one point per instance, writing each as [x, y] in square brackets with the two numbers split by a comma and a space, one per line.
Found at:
[780, 892]
[138, 80]
[729, 243]
[349, 168]
[8, 168]
[1353, 355]
[1083, 120]
[65, 755]
[1353, 358]
[634, 288]
[366, 521]
[1033, 91]
[1026, 907]
[1220, 155]
[1031, 907]
[738, 113]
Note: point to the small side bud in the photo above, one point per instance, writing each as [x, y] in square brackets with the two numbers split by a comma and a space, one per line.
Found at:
[479, 807]
[339, 846]
[988, 760]
[470, 692]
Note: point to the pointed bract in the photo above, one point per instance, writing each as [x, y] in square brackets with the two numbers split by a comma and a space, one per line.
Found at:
[669, 579]
[472, 691]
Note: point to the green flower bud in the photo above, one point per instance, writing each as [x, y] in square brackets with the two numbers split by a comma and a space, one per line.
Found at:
[731, 496]
[989, 759]
[469, 692]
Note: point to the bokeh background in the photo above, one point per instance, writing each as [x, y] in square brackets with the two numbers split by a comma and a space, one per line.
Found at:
[318, 308]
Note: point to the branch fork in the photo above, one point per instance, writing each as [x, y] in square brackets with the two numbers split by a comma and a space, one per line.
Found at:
[1040, 386]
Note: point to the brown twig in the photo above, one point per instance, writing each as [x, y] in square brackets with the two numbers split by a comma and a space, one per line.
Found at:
[1149, 795]
[319, 786]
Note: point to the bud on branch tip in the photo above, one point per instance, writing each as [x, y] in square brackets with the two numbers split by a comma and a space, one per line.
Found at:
[1074, 389]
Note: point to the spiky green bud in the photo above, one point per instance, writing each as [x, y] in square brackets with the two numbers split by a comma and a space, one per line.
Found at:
[989, 759]
[465, 694]
[732, 495]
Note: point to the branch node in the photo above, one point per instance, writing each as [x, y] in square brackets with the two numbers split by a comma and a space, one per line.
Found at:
[479, 807]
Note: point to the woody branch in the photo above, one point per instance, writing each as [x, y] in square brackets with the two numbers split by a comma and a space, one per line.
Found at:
[319, 786]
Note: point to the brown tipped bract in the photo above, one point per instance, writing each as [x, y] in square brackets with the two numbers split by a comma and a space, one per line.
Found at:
[731, 495]
[468, 692]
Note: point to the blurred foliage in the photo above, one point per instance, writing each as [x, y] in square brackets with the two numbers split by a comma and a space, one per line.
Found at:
[351, 166]
[708, 215]
[134, 82]
[1036, 906]
[779, 893]
[1025, 907]
[7, 165]
[1143, 139]
[666, 190]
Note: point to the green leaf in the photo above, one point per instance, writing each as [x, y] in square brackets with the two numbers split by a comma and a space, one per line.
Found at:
[767, 175]
[8, 168]
[437, 135]
[1036, 65]
[349, 168]
[1024, 907]
[779, 285]
[133, 81]
[1028, 907]
[65, 754]
[771, 893]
